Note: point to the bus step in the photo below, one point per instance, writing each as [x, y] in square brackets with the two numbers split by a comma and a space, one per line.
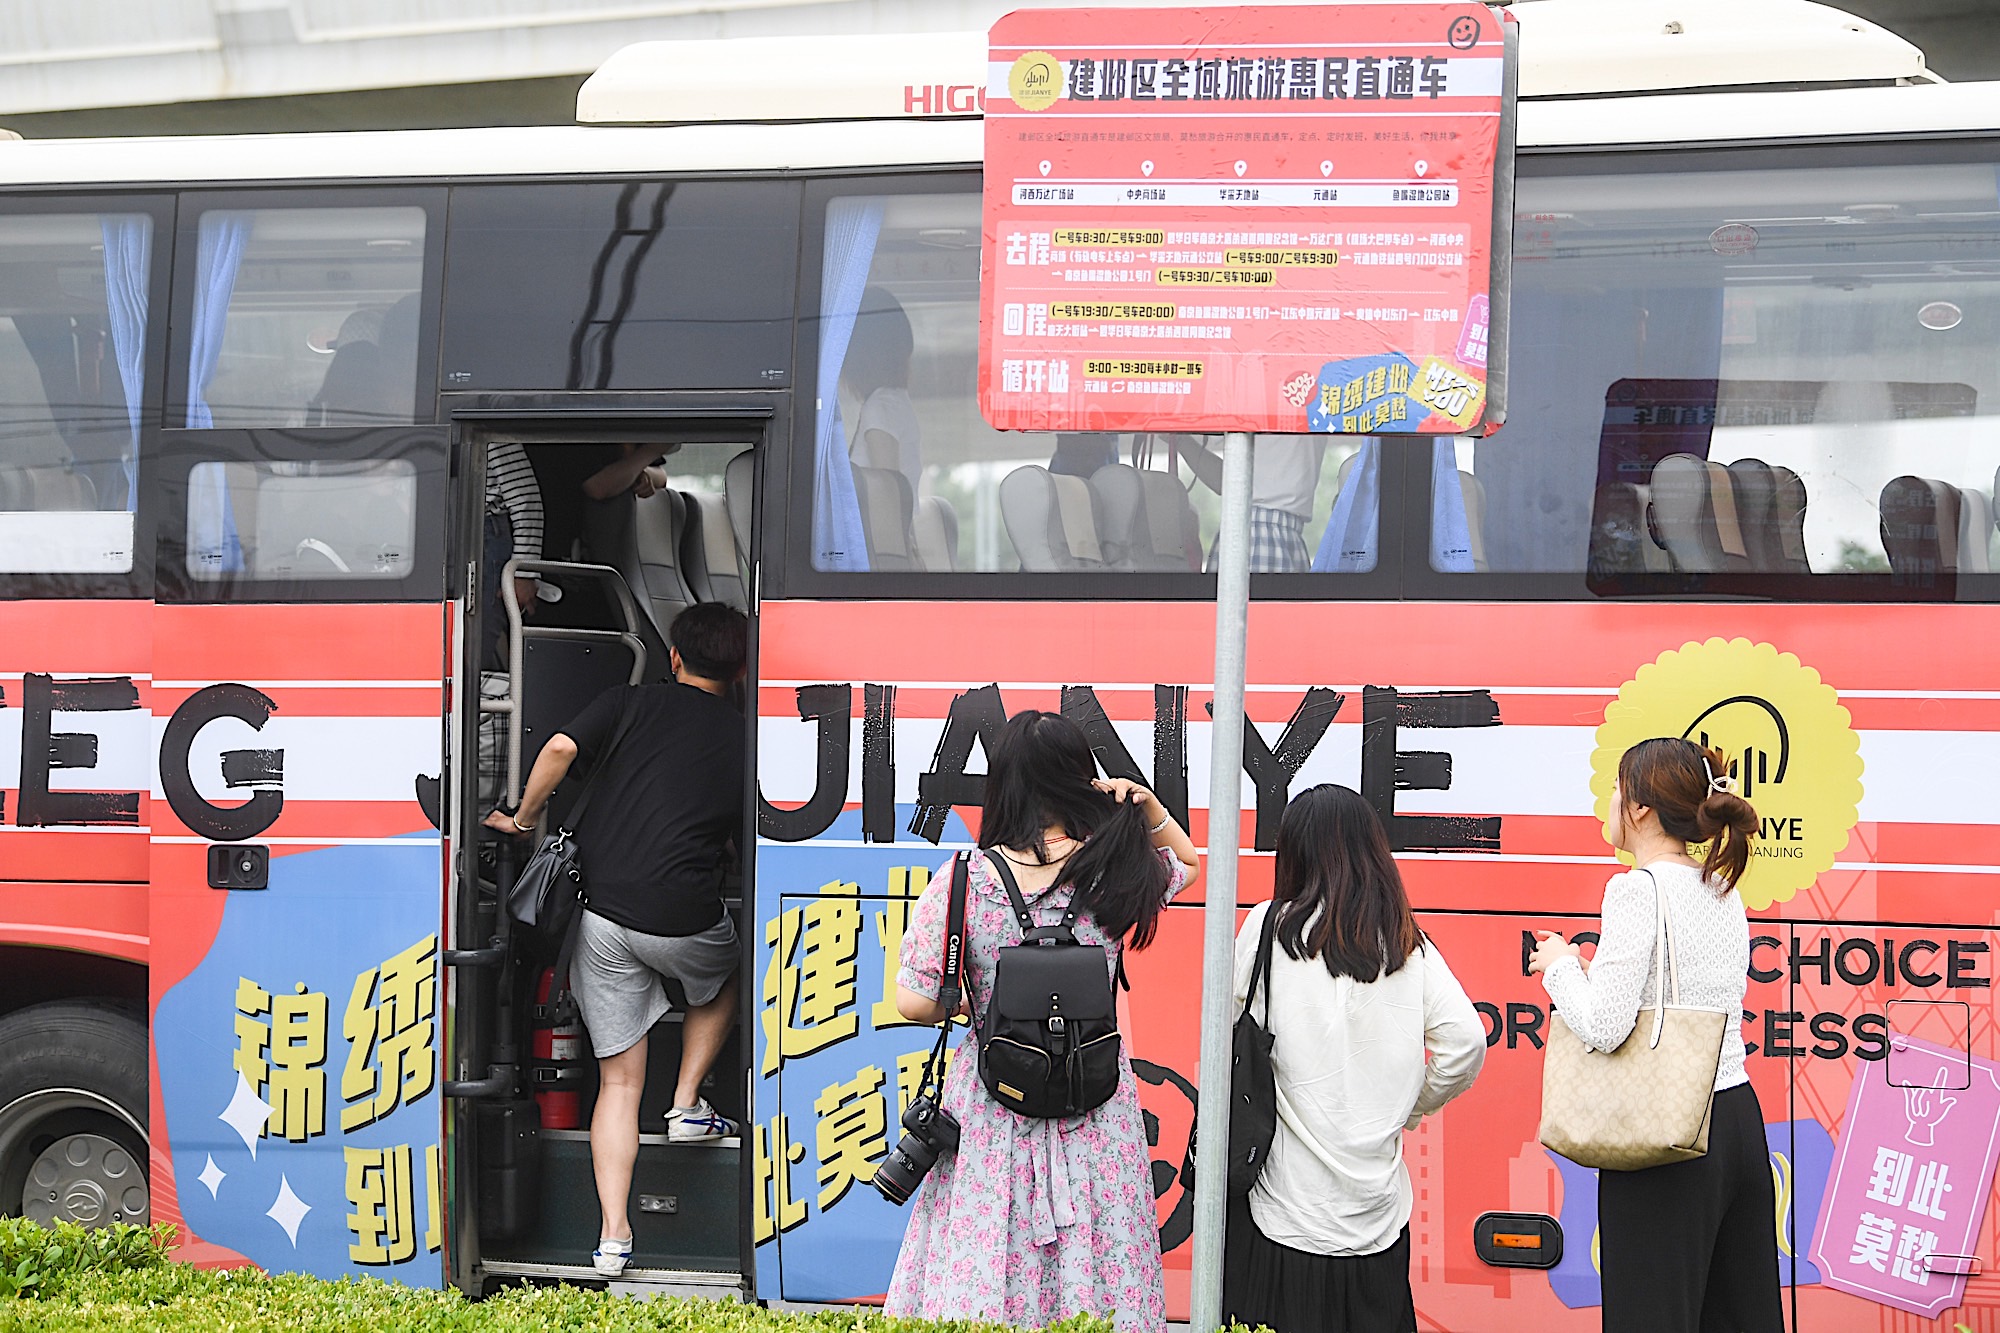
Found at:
[694, 1225]
[636, 1281]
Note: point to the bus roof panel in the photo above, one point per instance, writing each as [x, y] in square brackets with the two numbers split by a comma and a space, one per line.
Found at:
[1569, 48]
[1963, 109]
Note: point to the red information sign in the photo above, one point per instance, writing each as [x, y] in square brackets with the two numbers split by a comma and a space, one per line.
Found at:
[1260, 219]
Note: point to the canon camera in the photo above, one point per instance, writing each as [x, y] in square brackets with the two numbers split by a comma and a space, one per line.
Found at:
[929, 1132]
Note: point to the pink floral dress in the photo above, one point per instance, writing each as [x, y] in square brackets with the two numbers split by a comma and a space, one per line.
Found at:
[1030, 1221]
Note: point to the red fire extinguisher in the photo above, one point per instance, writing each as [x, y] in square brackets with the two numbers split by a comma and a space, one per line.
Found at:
[555, 1051]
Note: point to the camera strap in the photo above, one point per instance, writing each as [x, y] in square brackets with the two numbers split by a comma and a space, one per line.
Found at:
[951, 989]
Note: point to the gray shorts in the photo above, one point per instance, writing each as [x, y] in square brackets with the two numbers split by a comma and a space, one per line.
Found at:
[620, 976]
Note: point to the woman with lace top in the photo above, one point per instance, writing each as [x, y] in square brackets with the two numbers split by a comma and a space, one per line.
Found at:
[1691, 1245]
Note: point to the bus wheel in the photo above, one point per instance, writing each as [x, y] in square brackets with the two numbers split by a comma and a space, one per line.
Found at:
[73, 1115]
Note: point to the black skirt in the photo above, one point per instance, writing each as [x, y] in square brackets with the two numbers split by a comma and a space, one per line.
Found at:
[1293, 1291]
[1691, 1246]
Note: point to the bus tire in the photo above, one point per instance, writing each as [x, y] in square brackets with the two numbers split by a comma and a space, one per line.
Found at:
[73, 1103]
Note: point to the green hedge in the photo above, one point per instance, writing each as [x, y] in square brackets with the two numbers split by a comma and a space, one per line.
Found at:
[36, 1261]
[123, 1278]
[179, 1299]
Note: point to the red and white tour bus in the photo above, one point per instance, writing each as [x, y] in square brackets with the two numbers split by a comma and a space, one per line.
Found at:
[253, 705]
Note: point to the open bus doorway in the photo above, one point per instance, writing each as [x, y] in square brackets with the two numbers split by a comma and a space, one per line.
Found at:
[638, 521]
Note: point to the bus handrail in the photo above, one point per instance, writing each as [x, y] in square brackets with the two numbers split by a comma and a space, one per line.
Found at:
[517, 629]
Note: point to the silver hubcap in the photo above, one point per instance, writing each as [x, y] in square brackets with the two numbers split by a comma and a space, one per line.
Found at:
[87, 1179]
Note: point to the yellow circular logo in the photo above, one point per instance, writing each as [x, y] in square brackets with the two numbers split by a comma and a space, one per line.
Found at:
[1790, 746]
[1036, 81]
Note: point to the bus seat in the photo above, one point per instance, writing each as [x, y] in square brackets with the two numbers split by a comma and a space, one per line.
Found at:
[58, 488]
[1756, 489]
[884, 495]
[1028, 508]
[708, 552]
[1032, 507]
[641, 540]
[739, 483]
[1920, 519]
[1474, 492]
[1682, 514]
[1975, 527]
[1170, 522]
[1118, 507]
[1079, 520]
[16, 491]
[1728, 525]
[1654, 558]
[1788, 517]
[934, 528]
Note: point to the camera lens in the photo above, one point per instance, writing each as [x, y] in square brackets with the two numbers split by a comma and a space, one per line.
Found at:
[904, 1169]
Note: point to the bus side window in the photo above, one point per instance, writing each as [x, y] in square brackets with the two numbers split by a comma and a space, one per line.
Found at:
[909, 478]
[74, 387]
[306, 316]
[1790, 410]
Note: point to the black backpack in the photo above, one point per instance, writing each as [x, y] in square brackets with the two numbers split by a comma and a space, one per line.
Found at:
[1048, 1043]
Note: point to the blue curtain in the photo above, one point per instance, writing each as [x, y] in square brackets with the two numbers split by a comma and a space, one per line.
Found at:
[1451, 535]
[223, 236]
[128, 252]
[213, 545]
[1349, 542]
[852, 227]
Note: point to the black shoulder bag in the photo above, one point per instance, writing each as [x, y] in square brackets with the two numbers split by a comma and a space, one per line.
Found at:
[1253, 1085]
[1049, 1044]
[549, 894]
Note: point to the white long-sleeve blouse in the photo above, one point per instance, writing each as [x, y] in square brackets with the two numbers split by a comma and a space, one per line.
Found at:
[1711, 953]
[1356, 1064]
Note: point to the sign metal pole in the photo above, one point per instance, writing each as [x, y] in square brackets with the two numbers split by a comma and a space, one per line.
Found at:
[1218, 940]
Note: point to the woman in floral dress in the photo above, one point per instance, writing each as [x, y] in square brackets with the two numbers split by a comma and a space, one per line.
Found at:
[1032, 1221]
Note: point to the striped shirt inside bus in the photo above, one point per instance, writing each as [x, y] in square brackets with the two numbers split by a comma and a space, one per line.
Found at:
[511, 489]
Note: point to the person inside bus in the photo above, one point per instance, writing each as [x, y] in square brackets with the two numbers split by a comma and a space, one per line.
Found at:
[1032, 1221]
[513, 531]
[572, 475]
[1372, 1033]
[1284, 474]
[1688, 1245]
[876, 374]
[653, 841]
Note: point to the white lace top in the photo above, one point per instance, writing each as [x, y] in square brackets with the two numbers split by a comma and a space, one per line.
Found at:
[1711, 954]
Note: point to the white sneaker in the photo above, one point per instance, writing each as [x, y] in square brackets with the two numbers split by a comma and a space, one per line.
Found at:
[698, 1124]
[611, 1255]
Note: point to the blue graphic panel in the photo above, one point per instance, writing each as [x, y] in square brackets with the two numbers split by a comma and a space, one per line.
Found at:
[299, 1071]
[835, 1064]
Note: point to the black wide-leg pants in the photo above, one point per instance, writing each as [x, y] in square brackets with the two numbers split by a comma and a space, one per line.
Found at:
[1692, 1247]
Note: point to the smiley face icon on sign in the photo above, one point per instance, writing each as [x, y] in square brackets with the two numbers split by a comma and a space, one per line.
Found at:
[1463, 34]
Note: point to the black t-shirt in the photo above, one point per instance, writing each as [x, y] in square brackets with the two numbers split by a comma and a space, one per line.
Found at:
[653, 834]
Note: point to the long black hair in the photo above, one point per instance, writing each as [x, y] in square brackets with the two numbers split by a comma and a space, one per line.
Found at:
[1038, 774]
[1339, 896]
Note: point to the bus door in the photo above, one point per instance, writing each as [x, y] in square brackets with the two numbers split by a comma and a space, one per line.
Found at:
[640, 517]
[297, 858]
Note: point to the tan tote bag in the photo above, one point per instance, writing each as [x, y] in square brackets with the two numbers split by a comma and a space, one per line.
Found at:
[1647, 1103]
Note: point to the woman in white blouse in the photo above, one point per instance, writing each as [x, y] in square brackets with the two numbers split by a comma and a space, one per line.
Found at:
[1358, 998]
[1691, 1245]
